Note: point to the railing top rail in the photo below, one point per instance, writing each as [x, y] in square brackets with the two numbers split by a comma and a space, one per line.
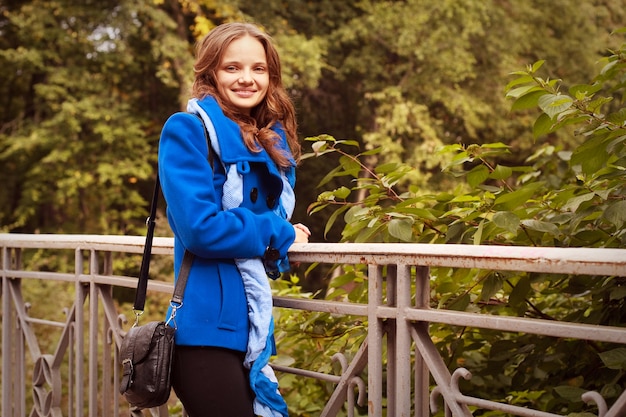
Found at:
[114, 243]
[593, 261]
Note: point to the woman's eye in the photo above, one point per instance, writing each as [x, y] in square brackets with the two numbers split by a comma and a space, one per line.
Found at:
[259, 69]
[231, 68]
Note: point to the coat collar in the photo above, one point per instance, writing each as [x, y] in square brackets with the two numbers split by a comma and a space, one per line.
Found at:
[233, 151]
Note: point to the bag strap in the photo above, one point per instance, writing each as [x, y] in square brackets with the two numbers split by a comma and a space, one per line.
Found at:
[183, 274]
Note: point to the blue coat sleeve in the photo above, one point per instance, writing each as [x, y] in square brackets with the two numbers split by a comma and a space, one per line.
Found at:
[194, 207]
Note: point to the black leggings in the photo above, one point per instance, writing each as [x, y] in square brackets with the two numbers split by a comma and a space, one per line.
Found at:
[212, 382]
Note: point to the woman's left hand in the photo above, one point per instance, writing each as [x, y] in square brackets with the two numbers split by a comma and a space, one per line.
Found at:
[302, 233]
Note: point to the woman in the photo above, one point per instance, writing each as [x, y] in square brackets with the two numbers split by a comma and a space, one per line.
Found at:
[228, 203]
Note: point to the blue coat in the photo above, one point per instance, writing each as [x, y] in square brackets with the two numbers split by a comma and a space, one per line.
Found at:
[214, 311]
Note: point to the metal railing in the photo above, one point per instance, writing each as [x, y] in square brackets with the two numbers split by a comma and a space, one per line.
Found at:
[78, 374]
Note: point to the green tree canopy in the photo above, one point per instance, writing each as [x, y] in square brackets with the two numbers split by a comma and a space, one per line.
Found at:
[86, 87]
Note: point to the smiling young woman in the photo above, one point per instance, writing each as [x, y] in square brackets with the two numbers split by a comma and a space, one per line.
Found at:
[220, 362]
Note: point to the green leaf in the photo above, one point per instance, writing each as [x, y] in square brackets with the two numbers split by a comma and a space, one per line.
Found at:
[614, 359]
[553, 104]
[386, 168]
[524, 79]
[366, 233]
[333, 217]
[591, 156]
[477, 175]
[465, 198]
[518, 197]
[501, 172]
[501, 350]
[506, 220]
[520, 292]
[370, 152]
[495, 145]
[542, 226]
[616, 214]
[618, 117]
[619, 138]
[618, 293]
[315, 207]
[458, 159]
[319, 147]
[460, 303]
[478, 234]
[342, 192]
[572, 394]
[491, 285]
[453, 148]
[542, 126]
[401, 229]
[422, 214]
[528, 101]
[537, 65]
[350, 166]
[521, 91]
[595, 105]
[573, 203]
[584, 90]
[348, 142]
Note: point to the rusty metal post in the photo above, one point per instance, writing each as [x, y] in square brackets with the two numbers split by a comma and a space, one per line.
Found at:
[374, 337]
[403, 343]
[422, 301]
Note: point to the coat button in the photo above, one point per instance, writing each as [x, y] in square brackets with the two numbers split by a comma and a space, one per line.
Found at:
[271, 201]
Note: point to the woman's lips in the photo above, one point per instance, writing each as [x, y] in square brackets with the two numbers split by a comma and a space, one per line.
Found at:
[244, 93]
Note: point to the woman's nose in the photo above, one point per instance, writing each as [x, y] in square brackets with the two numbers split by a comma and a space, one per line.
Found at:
[246, 77]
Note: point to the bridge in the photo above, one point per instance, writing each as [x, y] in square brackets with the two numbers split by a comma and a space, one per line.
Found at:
[78, 373]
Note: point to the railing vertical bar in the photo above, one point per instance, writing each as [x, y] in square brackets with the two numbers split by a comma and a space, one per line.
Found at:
[107, 341]
[391, 333]
[113, 323]
[93, 337]
[403, 343]
[20, 335]
[19, 369]
[70, 366]
[116, 379]
[374, 336]
[107, 338]
[6, 328]
[80, 333]
[422, 300]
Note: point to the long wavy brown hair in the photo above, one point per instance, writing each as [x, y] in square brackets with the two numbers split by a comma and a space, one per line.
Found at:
[275, 108]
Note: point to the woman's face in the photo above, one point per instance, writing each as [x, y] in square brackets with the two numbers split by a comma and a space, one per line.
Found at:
[242, 76]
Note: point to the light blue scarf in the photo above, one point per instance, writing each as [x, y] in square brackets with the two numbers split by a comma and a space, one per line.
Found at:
[268, 401]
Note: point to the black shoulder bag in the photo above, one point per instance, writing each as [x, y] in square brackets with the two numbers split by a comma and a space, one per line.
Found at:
[146, 351]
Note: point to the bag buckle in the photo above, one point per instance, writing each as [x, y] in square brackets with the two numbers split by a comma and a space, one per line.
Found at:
[138, 314]
[172, 318]
[127, 375]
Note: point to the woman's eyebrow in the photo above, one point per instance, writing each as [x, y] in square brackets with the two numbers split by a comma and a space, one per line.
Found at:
[241, 62]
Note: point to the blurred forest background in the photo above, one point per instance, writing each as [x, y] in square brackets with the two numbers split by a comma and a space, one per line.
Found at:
[85, 87]
[449, 121]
